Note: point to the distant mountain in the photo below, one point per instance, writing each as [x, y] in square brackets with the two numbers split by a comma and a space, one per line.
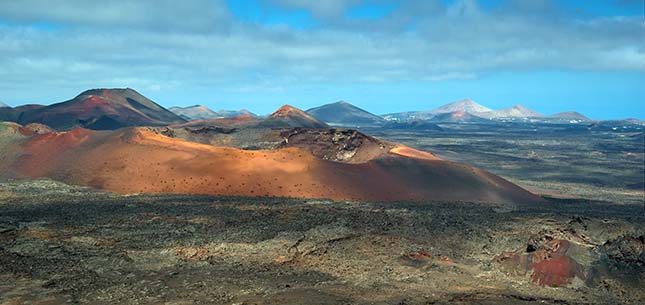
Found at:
[13, 114]
[460, 116]
[466, 105]
[3, 105]
[634, 121]
[196, 112]
[517, 111]
[222, 113]
[289, 116]
[101, 109]
[345, 114]
[570, 115]
[200, 112]
[408, 116]
[624, 125]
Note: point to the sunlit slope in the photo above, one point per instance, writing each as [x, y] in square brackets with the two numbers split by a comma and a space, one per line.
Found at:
[135, 160]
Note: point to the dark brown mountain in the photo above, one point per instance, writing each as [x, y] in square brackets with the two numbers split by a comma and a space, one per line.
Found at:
[101, 109]
[345, 114]
[13, 114]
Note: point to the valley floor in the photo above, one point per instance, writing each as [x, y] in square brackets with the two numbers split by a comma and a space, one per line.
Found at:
[64, 244]
[567, 160]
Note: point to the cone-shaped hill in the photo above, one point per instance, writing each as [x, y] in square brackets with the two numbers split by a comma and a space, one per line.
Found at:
[101, 109]
[345, 114]
[140, 159]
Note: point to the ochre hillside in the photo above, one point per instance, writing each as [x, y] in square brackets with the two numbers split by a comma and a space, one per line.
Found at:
[135, 160]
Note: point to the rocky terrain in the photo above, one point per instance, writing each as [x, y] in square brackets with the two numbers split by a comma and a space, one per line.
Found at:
[62, 244]
[231, 210]
[600, 161]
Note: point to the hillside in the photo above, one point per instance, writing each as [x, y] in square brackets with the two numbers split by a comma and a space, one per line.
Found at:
[135, 160]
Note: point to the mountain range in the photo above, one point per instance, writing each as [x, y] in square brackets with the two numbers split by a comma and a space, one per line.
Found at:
[121, 141]
[468, 110]
[139, 146]
[102, 109]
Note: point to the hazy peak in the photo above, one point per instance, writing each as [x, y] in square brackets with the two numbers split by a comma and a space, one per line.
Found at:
[466, 105]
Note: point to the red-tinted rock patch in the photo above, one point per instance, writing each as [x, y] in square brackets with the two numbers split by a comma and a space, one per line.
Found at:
[550, 264]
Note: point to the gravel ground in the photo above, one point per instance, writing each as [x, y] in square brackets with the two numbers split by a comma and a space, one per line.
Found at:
[64, 244]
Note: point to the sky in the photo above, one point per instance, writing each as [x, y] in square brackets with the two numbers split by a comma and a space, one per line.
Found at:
[382, 55]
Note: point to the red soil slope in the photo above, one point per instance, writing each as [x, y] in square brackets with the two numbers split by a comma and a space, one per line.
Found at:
[292, 117]
[136, 160]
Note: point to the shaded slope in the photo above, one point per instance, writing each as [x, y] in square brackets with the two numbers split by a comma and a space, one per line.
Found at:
[137, 160]
[13, 114]
[345, 114]
[101, 109]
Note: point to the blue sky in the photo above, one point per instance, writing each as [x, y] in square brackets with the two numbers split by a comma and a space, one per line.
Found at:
[385, 56]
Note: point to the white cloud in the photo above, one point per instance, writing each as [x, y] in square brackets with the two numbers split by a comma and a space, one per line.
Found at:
[189, 15]
[157, 46]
